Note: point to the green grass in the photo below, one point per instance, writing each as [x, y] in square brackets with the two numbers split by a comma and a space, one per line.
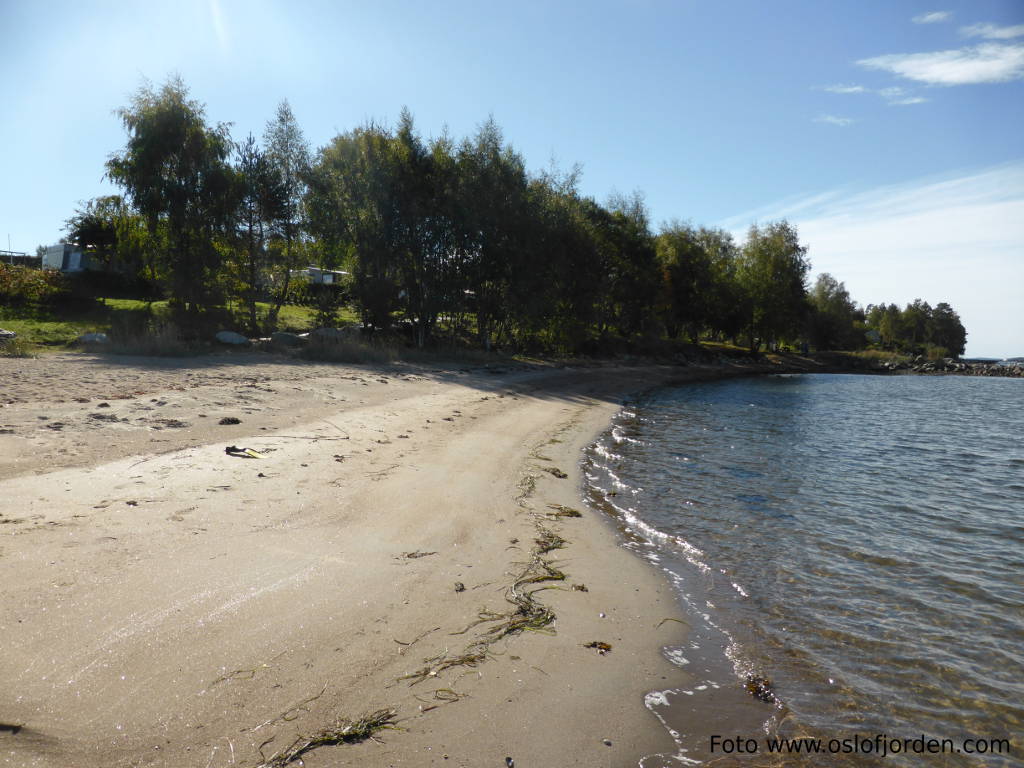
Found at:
[879, 355]
[56, 328]
[49, 333]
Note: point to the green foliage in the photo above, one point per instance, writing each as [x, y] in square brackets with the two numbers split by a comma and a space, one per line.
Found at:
[772, 274]
[94, 227]
[261, 202]
[288, 154]
[24, 286]
[443, 238]
[947, 331]
[324, 299]
[351, 205]
[494, 232]
[918, 327]
[835, 321]
[699, 285]
[174, 170]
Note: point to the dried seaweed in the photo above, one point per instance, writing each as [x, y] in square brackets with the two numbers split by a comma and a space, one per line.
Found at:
[344, 731]
[416, 555]
[760, 688]
[527, 614]
[527, 485]
[563, 511]
[538, 571]
[547, 541]
[247, 674]
[442, 695]
[292, 713]
[435, 665]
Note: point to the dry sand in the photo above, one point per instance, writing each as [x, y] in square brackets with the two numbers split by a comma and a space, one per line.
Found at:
[167, 604]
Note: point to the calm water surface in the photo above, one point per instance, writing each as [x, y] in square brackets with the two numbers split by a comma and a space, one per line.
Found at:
[857, 540]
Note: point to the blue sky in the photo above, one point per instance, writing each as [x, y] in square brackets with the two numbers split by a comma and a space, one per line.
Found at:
[889, 132]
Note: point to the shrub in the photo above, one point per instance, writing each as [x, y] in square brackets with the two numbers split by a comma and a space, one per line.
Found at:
[20, 286]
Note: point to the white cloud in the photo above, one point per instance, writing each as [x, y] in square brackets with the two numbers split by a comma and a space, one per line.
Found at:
[893, 96]
[985, 63]
[992, 31]
[957, 238]
[897, 96]
[845, 89]
[219, 26]
[833, 120]
[933, 18]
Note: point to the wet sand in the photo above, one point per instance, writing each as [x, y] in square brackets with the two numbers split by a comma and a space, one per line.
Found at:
[168, 604]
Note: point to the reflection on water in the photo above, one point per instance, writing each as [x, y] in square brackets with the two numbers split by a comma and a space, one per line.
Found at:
[858, 540]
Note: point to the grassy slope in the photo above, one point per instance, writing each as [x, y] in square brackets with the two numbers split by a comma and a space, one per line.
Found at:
[60, 327]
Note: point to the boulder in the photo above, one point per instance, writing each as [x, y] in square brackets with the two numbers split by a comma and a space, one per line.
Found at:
[93, 338]
[286, 339]
[232, 338]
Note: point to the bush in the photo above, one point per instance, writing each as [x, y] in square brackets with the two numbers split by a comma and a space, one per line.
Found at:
[21, 286]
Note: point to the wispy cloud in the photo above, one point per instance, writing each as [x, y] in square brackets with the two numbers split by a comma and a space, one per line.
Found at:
[985, 63]
[834, 120]
[845, 89]
[934, 17]
[219, 26]
[992, 31]
[893, 96]
[897, 96]
[956, 238]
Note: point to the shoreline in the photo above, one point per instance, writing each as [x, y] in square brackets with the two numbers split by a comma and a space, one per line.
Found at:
[186, 605]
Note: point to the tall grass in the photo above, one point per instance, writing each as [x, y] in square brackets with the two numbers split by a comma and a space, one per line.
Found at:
[17, 348]
[345, 350]
[150, 339]
[879, 355]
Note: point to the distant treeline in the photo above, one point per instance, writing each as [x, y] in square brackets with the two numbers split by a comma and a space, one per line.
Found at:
[451, 239]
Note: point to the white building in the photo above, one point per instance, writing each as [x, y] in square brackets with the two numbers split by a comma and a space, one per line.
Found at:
[319, 276]
[66, 258]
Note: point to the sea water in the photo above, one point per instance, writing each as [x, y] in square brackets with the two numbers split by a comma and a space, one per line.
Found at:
[849, 548]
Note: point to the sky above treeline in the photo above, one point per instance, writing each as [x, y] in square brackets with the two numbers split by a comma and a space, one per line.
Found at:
[888, 132]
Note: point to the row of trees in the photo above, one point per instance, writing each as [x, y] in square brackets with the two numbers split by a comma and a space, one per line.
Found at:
[441, 237]
[915, 326]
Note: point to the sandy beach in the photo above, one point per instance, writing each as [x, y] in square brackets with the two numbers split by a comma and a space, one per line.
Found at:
[166, 603]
